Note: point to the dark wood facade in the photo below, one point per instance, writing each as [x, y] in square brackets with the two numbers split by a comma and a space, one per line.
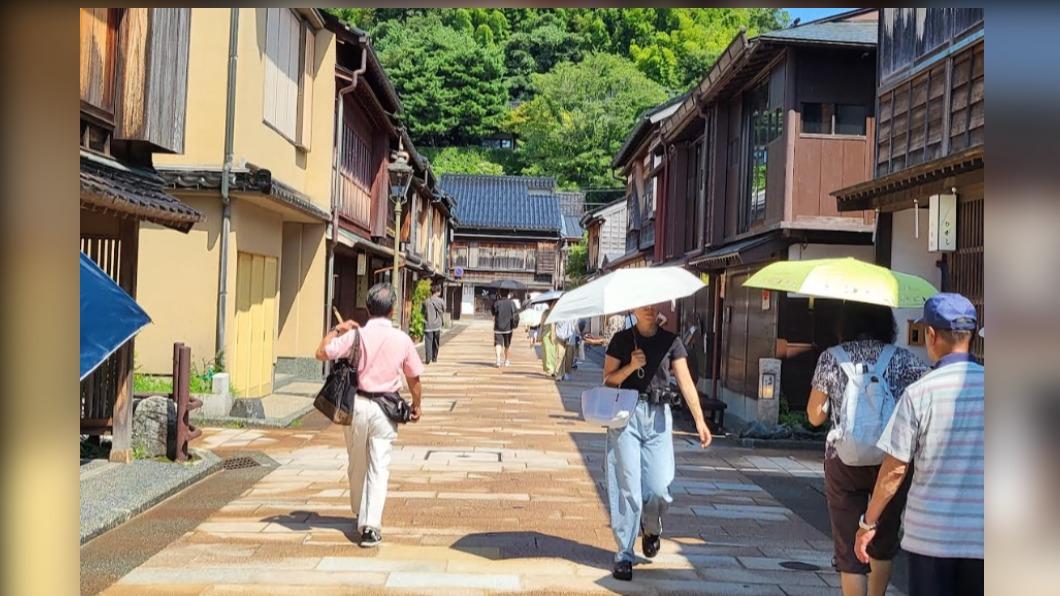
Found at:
[930, 138]
[133, 88]
[749, 162]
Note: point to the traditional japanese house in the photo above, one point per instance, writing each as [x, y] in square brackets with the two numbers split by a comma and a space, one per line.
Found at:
[133, 82]
[605, 229]
[508, 227]
[751, 155]
[639, 161]
[928, 171]
[257, 162]
[362, 245]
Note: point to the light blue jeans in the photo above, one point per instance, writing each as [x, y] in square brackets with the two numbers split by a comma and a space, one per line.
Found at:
[640, 468]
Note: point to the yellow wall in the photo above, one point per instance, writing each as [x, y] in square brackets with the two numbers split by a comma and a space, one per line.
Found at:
[177, 286]
[303, 273]
[178, 272]
[254, 142]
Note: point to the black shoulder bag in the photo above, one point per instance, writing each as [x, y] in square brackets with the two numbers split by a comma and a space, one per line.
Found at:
[335, 400]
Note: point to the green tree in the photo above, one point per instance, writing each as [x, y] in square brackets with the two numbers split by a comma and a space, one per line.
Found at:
[463, 160]
[419, 296]
[579, 116]
[577, 259]
[453, 88]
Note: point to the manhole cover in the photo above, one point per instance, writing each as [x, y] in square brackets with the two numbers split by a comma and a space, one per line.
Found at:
[240, 463]
[799, 566]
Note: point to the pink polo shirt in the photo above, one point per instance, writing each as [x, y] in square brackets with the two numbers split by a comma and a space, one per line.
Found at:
[386, 354]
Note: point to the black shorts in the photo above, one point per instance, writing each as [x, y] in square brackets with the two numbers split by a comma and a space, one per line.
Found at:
[502, 339]
[847, 490]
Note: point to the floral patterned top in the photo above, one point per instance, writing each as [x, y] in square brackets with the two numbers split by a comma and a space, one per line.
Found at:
[905, 368]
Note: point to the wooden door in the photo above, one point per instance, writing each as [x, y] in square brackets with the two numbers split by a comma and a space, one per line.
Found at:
[256, 289]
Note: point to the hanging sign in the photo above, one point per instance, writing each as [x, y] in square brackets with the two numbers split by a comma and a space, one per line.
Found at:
[942, 223]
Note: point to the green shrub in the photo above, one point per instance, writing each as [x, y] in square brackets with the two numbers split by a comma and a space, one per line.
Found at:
[419, 296]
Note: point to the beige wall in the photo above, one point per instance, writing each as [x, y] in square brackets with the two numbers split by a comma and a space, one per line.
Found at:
[254, 141]
[303, 272]
[177, 286]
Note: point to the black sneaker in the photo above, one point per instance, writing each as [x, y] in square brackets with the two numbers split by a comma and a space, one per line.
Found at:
[370, 538]
[650, 545]
[623, 570]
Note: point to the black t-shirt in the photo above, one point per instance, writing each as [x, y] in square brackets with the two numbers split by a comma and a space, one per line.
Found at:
[503, 313]
[660, 349]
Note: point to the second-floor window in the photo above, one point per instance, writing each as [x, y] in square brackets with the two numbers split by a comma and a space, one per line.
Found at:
[482, 255]
[834, 118]
[765, 124]
[289, 49]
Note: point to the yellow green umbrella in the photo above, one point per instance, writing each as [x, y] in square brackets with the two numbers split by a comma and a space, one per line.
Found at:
[845, 279]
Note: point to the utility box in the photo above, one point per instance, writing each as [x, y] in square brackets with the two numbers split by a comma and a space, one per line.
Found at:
[768, 391]
[942, 223]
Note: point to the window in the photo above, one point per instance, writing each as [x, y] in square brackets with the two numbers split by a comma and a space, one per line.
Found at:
[765, 124]
[834, 119]
[289, 46]
[497, 256]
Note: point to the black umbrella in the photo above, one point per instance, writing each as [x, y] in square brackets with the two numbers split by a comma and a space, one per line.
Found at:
[508, 284]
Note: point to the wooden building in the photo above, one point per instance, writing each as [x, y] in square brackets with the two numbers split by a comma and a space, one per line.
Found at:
[133, 90]
[605, 229]
[257, 163]
[362, 236]
[747, 162]
[929, 143]
[508, 227]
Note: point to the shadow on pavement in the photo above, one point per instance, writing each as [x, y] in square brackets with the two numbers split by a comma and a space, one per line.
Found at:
[520, 545]
[301, 521]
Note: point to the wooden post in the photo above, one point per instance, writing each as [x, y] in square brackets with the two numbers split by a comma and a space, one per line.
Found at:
[121, 431]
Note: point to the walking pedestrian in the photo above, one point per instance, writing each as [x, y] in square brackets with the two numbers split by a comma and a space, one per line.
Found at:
[505, 319]
[550, 346]
[640, 456]
[567, 336]
[866, 335]
[937, 430]
[433, 315]
[387, 353]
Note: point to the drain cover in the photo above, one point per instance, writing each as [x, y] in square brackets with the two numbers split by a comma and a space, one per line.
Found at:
[240, 463]
[799, 566]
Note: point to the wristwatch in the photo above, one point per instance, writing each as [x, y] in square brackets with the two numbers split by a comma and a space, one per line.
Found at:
[866, 526]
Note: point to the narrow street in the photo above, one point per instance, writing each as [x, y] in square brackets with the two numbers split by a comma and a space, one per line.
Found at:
[498, 488]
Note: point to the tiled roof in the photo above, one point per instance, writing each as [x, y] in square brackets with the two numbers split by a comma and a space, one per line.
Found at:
[572, 228]
[504, 202]
[855, 32]
[109, 185]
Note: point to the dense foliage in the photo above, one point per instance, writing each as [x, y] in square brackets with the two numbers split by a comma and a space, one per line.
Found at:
[466, 74]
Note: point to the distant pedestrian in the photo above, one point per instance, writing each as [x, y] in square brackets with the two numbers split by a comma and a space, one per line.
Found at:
[866, 349]
[567, 335]
[433, 314]
[937, 430]
[505, 319]
[387, 353]
[550, 346]
[639, 462]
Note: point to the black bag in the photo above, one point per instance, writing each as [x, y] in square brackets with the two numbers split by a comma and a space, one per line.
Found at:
[335, 400]
[393, 405]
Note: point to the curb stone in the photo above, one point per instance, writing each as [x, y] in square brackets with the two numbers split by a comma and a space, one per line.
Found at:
[131, 502]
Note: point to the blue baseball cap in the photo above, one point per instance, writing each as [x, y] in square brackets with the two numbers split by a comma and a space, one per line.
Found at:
[949, 311]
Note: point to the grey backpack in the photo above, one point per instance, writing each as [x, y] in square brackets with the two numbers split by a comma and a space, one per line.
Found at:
[865, 410]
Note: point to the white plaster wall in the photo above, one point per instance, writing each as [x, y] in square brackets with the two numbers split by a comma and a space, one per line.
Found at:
[909, 254]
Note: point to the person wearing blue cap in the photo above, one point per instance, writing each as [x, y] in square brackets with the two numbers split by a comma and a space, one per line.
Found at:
[938, 428]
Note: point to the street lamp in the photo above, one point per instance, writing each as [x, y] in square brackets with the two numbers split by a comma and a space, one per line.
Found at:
[400, 173]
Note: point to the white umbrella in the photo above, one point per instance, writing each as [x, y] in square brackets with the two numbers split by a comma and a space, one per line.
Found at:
[624, 290]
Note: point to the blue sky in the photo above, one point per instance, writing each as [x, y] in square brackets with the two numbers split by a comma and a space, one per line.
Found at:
[809, 14]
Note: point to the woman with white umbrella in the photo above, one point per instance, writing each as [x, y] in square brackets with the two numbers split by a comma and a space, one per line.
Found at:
[640, 454]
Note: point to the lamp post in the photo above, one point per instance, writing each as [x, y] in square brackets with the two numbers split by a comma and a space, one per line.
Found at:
[400, 173]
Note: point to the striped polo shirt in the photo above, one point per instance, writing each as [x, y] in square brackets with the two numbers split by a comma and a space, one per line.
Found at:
[938, 426]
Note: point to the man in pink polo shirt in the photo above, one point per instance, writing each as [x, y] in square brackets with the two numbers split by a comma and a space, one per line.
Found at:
[386, 354]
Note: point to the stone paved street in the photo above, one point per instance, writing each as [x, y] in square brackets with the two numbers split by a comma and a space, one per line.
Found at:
[498, 488]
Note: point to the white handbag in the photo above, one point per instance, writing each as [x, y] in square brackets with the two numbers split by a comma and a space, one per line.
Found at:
[609, 406]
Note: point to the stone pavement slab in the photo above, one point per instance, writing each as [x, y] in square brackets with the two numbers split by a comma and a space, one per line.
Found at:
[499, 489]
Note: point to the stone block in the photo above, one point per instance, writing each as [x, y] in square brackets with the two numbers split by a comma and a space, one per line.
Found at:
[154, 430]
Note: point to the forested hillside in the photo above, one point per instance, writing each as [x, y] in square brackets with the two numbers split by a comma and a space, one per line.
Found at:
[567, 83]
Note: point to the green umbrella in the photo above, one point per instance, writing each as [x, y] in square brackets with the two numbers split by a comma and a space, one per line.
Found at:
[845, 279]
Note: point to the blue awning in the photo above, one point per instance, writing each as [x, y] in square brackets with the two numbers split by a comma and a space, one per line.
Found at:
[109, 316]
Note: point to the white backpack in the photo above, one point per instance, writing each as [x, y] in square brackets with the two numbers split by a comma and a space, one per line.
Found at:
[866, 409]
